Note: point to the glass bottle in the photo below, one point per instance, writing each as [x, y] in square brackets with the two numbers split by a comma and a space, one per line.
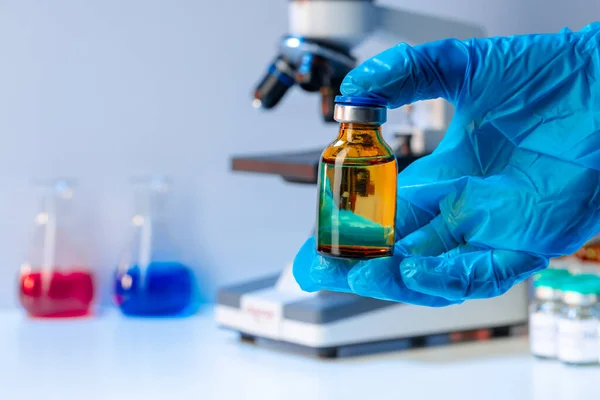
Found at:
[577, 325]
[357, 185]
[55, 281]
[150, 280]
[544, 313]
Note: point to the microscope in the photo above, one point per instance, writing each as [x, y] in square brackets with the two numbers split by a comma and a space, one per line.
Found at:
[315, 56]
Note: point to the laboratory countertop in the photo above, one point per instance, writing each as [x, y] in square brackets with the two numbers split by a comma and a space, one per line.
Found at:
[113, 357]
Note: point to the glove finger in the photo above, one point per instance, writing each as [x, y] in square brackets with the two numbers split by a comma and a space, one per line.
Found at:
[380, 278]
[470, 274]
[418, 204]
[430, 179]
[404, 74]
[409, 217]
[315, 272]
[430, 240]
[461, 249]
[594, 26]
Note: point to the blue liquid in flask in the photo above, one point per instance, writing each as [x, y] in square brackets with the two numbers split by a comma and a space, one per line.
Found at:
[165, 288]
[149, 281]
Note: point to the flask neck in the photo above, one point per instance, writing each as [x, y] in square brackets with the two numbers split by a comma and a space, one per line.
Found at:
[54, 202]
[53, 205]
[53, 244]
[151, 240]
[360, 133]
[150, 197]
[150, 205]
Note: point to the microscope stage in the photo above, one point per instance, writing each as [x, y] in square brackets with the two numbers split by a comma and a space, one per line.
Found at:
[326, 320]
[295, 167]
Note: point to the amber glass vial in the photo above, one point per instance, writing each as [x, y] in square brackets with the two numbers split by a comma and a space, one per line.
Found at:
[357, 185]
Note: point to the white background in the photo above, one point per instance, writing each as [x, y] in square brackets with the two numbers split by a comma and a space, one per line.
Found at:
[104, 90]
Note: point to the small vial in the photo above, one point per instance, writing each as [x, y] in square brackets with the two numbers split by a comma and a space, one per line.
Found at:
[598, 328]
[357, 185]
[543, 317]
[578, 323]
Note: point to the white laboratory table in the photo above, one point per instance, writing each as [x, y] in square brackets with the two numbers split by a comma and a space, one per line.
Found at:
[111, 357]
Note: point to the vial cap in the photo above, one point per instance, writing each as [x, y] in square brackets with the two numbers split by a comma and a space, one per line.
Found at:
[359, 109]
[585, 284]
[548, 282]
[549, 273]
[360, 101]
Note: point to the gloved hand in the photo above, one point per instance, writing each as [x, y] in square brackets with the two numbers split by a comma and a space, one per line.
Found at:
[514, 182]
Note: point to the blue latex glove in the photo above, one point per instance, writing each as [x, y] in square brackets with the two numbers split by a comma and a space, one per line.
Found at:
[514, 182]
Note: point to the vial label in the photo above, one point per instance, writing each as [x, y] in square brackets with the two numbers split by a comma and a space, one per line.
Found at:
[542, 334]
[577, 341]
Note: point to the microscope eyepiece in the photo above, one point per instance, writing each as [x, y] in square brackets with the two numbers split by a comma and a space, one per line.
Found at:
[277, 81]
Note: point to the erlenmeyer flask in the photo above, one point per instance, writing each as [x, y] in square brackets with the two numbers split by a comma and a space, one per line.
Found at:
[55, 281]
[150, 280]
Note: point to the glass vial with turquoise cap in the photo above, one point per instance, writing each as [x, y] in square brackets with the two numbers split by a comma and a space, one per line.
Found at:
[545, 311]
[357, 184]
[578, 324]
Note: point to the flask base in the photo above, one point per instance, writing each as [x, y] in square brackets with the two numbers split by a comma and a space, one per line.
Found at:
[61, 314]
[166, 289]
[355, 252]
[57, 294]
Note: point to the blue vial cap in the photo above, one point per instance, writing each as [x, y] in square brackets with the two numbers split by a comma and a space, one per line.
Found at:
[360, 101]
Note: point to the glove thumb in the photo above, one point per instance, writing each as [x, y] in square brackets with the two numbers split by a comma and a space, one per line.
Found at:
[404, 74]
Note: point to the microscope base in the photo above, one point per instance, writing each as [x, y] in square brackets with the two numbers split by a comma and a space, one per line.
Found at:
[383, 346]
[329, 324]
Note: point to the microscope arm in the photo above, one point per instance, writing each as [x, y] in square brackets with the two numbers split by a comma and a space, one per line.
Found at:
[414, 28]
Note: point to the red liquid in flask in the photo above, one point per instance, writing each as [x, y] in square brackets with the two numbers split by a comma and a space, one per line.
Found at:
[57, 294]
